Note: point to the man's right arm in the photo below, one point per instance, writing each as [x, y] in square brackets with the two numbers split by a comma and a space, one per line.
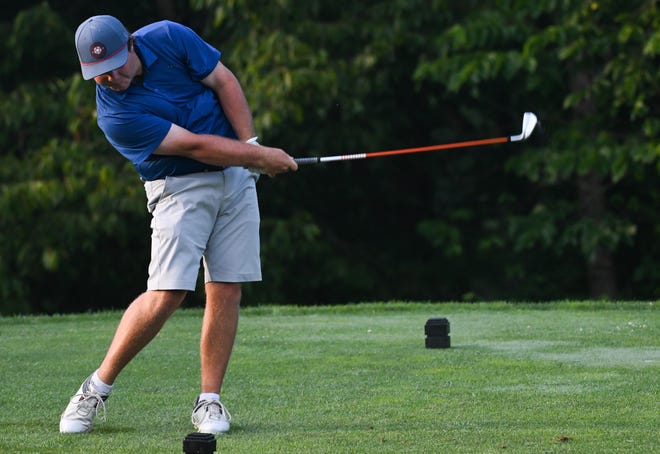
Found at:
[225, 152]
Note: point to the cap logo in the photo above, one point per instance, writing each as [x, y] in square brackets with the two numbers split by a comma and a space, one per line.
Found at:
[97, 50]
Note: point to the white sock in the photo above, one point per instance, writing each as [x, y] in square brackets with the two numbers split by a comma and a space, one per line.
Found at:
[209, 396]
[99, 385]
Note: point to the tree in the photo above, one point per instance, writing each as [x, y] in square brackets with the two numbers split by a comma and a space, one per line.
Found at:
[570, 218]
[591, 68]
[68, 202]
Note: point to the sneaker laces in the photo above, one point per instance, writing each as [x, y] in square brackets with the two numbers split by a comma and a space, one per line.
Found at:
[213, 407]
[85, 397]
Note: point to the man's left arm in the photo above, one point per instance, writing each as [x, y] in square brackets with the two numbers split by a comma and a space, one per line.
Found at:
[232, 99]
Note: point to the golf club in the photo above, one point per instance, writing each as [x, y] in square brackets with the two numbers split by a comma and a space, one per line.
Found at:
[528, 124]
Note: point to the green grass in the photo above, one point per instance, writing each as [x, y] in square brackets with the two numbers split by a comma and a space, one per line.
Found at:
[579, 377]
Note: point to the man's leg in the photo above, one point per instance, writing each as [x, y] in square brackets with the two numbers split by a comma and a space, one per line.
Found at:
[218, 332]
[231, 255]
[139, 325]
[217, 340]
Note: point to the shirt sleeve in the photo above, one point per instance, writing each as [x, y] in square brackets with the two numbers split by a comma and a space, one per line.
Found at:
[199, 57]
[135, 135]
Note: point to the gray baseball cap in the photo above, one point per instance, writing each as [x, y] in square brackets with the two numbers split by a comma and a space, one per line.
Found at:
[102, 45]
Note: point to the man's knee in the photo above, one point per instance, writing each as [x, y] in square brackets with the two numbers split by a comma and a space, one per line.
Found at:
[164, 301]
[223, 292]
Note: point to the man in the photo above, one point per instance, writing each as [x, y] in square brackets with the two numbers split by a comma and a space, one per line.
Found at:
[167, 103]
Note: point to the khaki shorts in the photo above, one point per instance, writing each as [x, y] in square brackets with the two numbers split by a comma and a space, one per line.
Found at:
[212, 216]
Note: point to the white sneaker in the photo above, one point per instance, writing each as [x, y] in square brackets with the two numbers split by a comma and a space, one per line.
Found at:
[211, 417]
[78, 417]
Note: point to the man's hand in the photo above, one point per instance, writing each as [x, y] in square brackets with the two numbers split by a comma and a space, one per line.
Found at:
[275, 160]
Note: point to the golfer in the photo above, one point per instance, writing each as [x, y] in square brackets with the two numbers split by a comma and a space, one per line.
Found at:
[166, 103]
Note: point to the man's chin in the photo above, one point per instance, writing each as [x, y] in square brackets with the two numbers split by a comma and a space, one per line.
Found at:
[117, 88]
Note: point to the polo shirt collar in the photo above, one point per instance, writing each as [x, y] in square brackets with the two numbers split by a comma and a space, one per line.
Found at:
[147, 58]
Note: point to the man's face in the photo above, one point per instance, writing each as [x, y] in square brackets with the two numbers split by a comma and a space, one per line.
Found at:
[120, 79]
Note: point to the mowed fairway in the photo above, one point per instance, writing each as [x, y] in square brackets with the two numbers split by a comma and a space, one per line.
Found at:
[553, 377]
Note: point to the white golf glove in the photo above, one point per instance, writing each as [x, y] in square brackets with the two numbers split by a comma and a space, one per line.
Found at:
[253, 141]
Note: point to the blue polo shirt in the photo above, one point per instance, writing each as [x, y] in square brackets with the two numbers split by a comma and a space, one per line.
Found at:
[135, 121]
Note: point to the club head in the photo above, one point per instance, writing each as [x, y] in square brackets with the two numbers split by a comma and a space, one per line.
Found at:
[528, 125]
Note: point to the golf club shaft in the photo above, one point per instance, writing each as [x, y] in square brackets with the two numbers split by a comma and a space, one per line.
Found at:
[377, 154]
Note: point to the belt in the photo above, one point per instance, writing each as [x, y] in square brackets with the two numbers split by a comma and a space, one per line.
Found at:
[208, 168]
[213, 169]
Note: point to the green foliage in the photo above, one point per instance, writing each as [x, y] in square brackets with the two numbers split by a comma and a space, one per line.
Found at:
[519, 221]
[285, 241]
[68, 202]
[590, 69]
[66, 209]
[34, 47]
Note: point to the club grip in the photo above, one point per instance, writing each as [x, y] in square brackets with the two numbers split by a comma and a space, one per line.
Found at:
[303, 161]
